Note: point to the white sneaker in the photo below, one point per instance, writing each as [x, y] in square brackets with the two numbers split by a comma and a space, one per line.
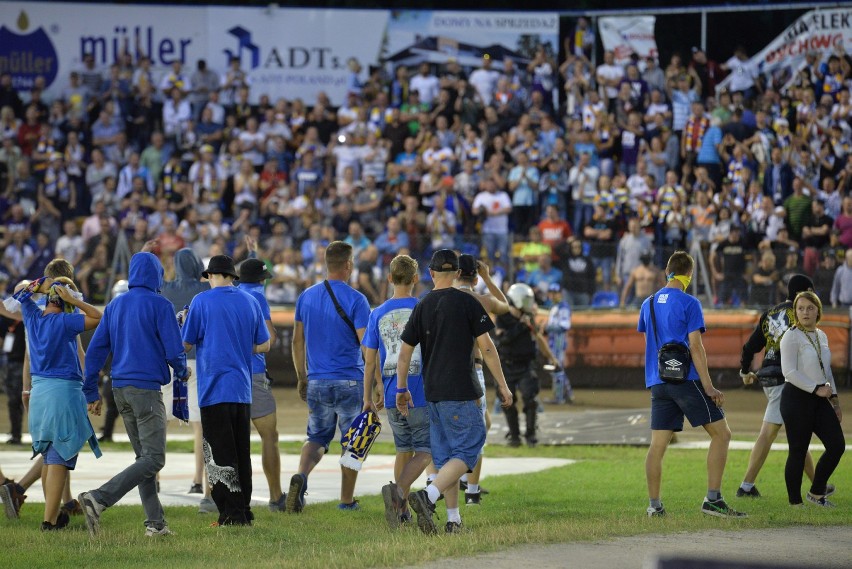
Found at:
[92, 510]
[151, 531]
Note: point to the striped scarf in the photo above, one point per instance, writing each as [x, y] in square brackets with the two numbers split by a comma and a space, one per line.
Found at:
[359, 438]
[13, 303]
[694, 133]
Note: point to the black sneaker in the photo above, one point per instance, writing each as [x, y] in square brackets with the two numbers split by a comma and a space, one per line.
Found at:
[405, 517]
[656, 512]
[482, 490]
[61, 523]
[514, 441]
[419, 502]
[296, 493]
[753, 493]
[453, 527]
[720, 509]
[196, 489]
[472, 499]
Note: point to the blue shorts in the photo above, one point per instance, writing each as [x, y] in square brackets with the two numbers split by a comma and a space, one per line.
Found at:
[332, 403]
[670, 403]
[410, 433]
[457, 431]
[52, 457]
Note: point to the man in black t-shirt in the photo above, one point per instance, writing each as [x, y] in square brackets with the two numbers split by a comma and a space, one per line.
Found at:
[446, 324]
[730, 275]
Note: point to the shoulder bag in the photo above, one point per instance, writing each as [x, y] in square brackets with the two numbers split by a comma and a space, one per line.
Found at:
[673, 358]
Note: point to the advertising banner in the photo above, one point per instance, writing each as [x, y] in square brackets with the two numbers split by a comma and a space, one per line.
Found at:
[819, 31]
[627, 35]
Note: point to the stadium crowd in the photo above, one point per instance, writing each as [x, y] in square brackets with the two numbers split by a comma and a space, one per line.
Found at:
[542, 167]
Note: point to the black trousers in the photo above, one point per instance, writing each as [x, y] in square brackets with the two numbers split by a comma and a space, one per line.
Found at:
[805, 414]
[14, 385]
[520, 376]
[226, 428]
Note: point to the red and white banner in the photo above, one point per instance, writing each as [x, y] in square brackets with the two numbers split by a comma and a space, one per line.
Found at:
[822, 32]
[628, 35]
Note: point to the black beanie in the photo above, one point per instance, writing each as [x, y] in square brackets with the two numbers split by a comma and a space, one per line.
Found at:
[797, 284]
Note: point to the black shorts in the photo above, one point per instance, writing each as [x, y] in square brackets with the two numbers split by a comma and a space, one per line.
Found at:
[671, 403]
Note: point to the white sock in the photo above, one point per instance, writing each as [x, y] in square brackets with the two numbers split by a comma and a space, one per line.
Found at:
[464, 477]
[431, 478]
[747, 486]
[453, 515]
[433, 493]
[473, 488]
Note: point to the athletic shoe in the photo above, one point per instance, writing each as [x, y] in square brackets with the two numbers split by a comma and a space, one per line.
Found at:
[207, 506]
[296, 493]
[279, 505]
[453, 527]
[514, 441]
[72, 507]
[821, 501]
[196, 489]
[419, 502]
[151, 531]
[93, 510]
[394, 505]
[14, 441]
[471, 499]
[349, 507]
[61, 523]
[463, 486]
[105, 439]
[720, 509]
[753, 493]
[829, 490]
[405, 517]
[13, 498]
[656, 512]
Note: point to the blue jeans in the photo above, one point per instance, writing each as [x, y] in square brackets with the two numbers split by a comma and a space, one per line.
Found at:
[332, 403]
[410, 433]
[582, 215]
[497, 244]
[144, 416]
[457, 431]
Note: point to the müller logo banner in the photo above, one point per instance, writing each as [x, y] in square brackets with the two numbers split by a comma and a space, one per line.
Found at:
[286, 52]
[821, 32]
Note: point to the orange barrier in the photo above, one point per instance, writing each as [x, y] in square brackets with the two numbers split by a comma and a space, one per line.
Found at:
[608, 338]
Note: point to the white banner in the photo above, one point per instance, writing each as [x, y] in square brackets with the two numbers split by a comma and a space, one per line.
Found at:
[818, 31]
[627, 35]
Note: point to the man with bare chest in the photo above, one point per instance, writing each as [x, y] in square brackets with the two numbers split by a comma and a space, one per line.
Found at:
[645, 279]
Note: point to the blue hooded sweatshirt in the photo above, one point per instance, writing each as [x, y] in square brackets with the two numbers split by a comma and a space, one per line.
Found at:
[140, 330]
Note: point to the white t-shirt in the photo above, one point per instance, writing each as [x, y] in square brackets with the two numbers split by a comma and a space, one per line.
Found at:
[742, 74]
[610, 72]
[428, 86]
[491, 202]
[485, 81]
[253, 141]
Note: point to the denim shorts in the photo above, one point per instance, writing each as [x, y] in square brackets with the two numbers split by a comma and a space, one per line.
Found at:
[52, 457]
[457, 431]
[332, 403]
[670, 403]
[410, 433]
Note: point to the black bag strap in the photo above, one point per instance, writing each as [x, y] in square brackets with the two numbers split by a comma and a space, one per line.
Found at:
[653, 319]
[341, 312]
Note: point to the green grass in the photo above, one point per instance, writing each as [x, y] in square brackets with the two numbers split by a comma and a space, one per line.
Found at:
[602, 496]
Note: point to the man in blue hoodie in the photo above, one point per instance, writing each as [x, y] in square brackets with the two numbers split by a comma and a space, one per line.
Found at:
[140, 330]
[181, 291]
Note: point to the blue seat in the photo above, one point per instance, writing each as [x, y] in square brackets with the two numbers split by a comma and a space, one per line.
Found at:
[605, 299]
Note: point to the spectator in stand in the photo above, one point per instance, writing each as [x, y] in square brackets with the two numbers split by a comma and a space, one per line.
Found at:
[600, 233]
[554, 229]
[493, 208]
[578, 273]
[841, 288]
[425, 83]
[608, 76]
[764, 282]
[631, 247]
[523, 183]
[815, 235]
[798, 209]
[843, 223]
[728, 264]
[744, 75]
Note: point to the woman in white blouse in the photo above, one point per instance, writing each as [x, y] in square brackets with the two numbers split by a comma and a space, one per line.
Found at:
[809, 403]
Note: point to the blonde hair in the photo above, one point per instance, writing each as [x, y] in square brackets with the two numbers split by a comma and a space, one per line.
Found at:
[403, 269]
[813, 298]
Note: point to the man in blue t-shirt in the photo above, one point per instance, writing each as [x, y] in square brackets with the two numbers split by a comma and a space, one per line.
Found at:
[329, 325]
[253, 273]
[410, 434]
[140, 331]
[227, 327]
[677, 318]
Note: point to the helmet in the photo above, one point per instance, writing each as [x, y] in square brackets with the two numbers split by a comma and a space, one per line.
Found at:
[119, 288]
[521, 296]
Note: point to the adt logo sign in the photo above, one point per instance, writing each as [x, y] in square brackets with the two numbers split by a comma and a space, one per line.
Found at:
[243, 43]
[27, 56]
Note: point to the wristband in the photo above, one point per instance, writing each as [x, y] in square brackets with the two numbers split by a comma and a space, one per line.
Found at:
[25, 392]
[400, 390]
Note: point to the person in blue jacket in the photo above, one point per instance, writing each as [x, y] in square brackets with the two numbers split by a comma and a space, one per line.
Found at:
[140, 330]
[58, 398]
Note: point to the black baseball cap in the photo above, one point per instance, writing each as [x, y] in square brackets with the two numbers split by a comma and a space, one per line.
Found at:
[467, 265]
[444, 260]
